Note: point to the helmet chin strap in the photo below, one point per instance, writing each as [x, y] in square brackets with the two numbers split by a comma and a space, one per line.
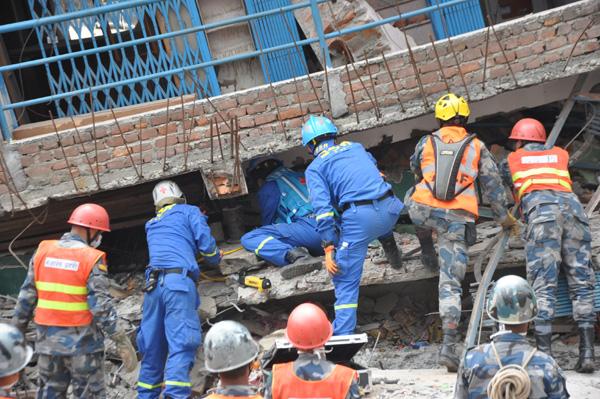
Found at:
[93, 238]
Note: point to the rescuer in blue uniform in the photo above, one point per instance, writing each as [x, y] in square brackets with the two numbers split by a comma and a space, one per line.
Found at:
[289, 230]
[345, 175]
[170, 332]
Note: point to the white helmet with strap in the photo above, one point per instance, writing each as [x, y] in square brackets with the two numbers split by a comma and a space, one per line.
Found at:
[167, 192]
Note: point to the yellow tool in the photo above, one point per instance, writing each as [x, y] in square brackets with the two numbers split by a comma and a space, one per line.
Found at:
[252, 281]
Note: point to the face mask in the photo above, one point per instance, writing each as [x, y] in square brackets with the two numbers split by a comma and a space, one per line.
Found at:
[96, 242]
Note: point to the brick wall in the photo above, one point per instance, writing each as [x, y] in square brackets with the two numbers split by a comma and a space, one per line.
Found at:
[537, 48]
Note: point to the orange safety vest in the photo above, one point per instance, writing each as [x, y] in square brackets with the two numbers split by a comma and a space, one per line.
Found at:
[467, 173]
[539, 170]
[286, 384]
[217, 396]
[61, 276]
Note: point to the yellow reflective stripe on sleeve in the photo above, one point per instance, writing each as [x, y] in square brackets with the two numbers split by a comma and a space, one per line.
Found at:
[213, 254]
[62, 288]
[103, 267]
[68, 306]
[324, 215]
[538, 171]
[348, 306]
[148, 386]
[179, 384]
[542, 181]
[262, 244]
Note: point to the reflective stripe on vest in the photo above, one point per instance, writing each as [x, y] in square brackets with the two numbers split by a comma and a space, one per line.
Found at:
[539, 170]
[294, 194]
[286, 384]
[61, 280]
[467, 173]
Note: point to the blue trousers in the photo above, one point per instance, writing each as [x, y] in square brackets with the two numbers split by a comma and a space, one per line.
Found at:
[272, 242]
[360, 225]
[168, 337]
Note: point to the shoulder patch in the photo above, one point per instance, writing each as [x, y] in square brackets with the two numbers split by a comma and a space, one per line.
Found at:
[103, 267]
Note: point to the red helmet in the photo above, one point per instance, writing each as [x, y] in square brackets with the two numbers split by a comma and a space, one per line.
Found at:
[90, 215]
[528, 130]
[308, 327]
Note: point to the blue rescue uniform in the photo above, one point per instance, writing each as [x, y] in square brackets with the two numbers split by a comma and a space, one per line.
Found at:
[340, 176]
[170, 331]
[288, 220]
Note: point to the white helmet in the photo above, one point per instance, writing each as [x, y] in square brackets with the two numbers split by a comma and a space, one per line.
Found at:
[167, 192]
[14, 352]
[228, 345]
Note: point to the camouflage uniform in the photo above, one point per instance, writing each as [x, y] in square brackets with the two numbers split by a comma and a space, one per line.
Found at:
[480, 365]
[75, 350]
[450, 226]
[557, 231]
[310, 367]
[236, 391]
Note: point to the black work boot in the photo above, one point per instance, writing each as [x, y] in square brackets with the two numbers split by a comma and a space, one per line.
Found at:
[392, 252]
[429, 257]
[447, 355]
[543, 342]
[301, 262]
[586, 350]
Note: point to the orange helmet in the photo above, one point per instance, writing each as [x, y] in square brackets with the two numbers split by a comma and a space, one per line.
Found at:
[308, 327]
[528, 130]
[90, 215]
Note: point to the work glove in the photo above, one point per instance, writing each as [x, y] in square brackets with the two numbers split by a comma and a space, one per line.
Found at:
[330, 264]
[511, 225]
[125, 349]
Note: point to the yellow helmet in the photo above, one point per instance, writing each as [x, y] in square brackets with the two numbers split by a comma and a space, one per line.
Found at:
[449, 106]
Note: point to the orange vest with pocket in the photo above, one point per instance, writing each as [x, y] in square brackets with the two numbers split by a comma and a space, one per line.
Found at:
[217, 396]
[61, 276]
[467, 173]
[286, 384]
[539, 170]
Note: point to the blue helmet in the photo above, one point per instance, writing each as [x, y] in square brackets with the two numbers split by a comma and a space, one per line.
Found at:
[317, 126]
[254, 163]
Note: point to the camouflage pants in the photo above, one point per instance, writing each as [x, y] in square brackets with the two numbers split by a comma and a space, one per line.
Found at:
[84, 372]
[558, 235]
[450, 227]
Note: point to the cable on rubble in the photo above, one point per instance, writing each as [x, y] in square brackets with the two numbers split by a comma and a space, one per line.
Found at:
[511, 381]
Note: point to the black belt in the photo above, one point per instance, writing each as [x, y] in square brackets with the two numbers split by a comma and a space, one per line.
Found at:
[179, 270]
[367, 202]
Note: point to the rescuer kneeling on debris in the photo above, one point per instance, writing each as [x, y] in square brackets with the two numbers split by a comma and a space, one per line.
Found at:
[289, 230]
[67, 281]
[230, 351]
[14, 356]
[558, 231]
[509, 367]
[346, 176]
[446, 164]
[170, 328]
[311, 375]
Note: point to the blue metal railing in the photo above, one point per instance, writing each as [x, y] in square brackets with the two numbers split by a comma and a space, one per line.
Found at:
[155, 75]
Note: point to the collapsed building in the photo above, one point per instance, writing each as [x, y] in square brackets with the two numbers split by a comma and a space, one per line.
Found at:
[544, 65]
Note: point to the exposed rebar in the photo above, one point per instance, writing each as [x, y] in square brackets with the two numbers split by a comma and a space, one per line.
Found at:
[63, 151]
[166, 135]
[452, 49]
[503, 53]
[124, 141]
[387, 67]
[212, 158]
[94, 135]
[368, 68]
[141, 158]
[439, 63]
[303, 62]
[577, 41]
[296, 84]
[344, 53]
[327, 83]
[487, 42]
[219, 139]
[87, 158]
[412, 60]
[269, 79]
